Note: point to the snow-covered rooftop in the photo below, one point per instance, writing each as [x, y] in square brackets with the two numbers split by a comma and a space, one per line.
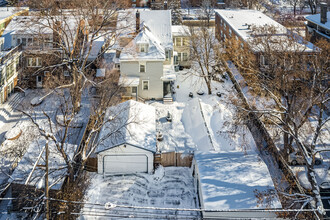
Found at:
[96, 48]
[240, 19]
[6, 12]
[180, 30]
[242, 23]
[57, 170]
[159, 22]
[317, 20]
[34, 25]
[129, 122]
[155, 50]
[229, 180]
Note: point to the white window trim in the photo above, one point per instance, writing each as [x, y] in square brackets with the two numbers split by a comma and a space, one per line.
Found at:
[37, 61]
[145, 67]
[143, 84]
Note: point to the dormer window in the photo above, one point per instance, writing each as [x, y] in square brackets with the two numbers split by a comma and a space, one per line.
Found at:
[143, 48]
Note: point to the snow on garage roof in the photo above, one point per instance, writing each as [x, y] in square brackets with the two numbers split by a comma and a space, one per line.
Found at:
[129, 122]
[57, 170]
[317, 20]
[228, 180]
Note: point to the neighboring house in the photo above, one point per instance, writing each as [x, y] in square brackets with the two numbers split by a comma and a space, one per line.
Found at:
[181, 41]
[127, 140]
[318, 25]
[43, 48]
[146, 62]
[10, 67]
[230, 181]
[8, 13]
[154, 4]
[215, 3]
[238, 24]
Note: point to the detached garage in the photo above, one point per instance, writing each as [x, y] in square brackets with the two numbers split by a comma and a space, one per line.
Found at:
[127, 141]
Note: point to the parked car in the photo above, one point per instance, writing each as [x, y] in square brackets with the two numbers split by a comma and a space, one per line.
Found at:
[296, 158]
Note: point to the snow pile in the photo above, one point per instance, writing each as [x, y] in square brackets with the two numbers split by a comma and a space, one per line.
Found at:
[169, 187]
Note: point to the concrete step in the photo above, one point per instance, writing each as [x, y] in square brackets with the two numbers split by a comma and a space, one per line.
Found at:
[14, 101]
[167, 100]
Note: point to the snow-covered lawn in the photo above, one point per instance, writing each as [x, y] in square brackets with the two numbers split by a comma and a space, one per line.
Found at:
[169, 187]
[205, 124]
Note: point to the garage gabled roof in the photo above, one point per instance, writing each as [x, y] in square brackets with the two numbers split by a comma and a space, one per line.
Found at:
[131, 123]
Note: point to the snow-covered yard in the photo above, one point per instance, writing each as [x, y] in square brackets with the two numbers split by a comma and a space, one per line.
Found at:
[205, 124]
[125, 196]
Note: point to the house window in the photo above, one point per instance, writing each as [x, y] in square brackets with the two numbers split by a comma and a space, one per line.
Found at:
[184, 57]
[29, 42]
[145, 85]
[10, 70]
[144, 48]
[178, 41]
[134, 90]
[142, 67]
[179, 57]
[168, 55]
[229, 32]
[18, 41]
[185, 41]
[66, 73]
[24, 42]
[34, 62]
[264, 61]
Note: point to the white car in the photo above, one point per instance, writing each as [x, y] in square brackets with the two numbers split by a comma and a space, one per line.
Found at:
[296, 158]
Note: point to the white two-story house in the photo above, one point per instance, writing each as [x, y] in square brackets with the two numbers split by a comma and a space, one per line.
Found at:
[146, 62]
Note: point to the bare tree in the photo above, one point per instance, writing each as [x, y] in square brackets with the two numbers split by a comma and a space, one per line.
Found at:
[204, 51]
[292, 79]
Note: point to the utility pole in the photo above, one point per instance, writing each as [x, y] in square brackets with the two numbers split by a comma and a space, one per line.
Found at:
[46, 182]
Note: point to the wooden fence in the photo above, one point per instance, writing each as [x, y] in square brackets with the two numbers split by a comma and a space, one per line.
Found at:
[173, 159]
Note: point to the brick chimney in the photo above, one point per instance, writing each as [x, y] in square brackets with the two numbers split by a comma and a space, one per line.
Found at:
[165, 5]
[324, 8]
[137, 24]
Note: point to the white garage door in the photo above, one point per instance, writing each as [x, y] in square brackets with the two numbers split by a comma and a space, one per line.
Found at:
[125, 164]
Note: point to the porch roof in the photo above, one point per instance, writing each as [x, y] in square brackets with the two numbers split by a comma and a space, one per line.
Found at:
[128, 81]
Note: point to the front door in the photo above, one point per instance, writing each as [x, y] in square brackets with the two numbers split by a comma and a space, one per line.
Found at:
[167, 88]
[39, 81]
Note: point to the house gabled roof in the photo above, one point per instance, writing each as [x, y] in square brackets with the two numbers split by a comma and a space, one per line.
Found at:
[159, 23]
[34, 25]
[155, 50]
[131, 123]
